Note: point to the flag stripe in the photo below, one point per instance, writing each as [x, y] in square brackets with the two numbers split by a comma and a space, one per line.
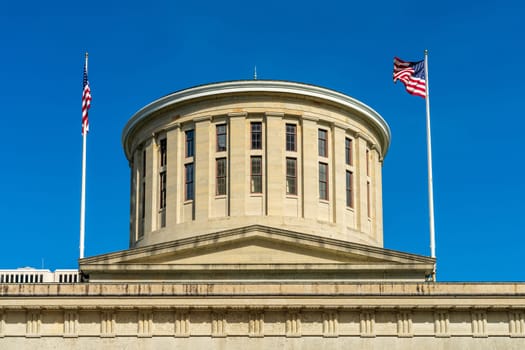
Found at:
[412, 75]
[86, 102]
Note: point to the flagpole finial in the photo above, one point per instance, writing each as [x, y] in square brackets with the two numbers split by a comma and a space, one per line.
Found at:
[426, 52]
[255, 73]
[86, 54]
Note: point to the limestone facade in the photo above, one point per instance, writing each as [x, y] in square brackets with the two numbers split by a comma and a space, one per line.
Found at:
[274, 153]
[259, 315]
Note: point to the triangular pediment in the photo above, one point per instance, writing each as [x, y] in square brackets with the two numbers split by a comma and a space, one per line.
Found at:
[255, 248]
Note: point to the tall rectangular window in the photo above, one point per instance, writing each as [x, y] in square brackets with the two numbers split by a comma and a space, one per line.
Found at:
[221, 138]
[221, 176]
[142, 209]
[142, 194]
[189, 181]
[368, 206]
[349, 189]
[256, 133]
[348, 151]
[367, 163]
[291, 137]
[291, 176]
[162, 199]
[163, 154]
[162, 173]
[143, 164]
[322, 142]
[190, 143]
[323, 181]
[256, 174]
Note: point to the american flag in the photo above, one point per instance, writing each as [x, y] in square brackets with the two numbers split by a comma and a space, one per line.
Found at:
[86, 101]
[412, 74]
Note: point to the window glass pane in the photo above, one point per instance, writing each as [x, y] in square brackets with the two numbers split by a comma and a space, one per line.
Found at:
[349, 199]
[163, 153]
[323, 181]
[291, 176]
[162, 181]
[322, 145]
[348, 151]
[144, 163]
[221, 176]
[189, 143]
[291, 132]
[221, 138]
[256, 135]
[189, 181]
[367, 163]
[256, 174]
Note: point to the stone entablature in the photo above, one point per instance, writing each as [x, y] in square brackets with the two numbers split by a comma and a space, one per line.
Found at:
[260, 310]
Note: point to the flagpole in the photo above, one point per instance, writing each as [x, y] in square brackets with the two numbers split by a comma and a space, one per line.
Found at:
[430, 185]
[83, 191]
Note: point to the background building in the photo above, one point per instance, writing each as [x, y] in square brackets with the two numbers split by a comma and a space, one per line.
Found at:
[256, 222]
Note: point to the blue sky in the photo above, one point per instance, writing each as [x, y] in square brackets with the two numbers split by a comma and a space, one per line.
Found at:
[140, 51]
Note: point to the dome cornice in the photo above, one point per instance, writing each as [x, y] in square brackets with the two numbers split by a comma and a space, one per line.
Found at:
[263, 86]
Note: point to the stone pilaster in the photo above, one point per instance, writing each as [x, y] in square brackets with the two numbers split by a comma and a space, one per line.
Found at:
[144, 323]
[442, 324]
[367, 324]
[275, 163]
[239, 167]
[70, 324]
[107, 323]
[182, 323]
[33, 323]
[330, 323]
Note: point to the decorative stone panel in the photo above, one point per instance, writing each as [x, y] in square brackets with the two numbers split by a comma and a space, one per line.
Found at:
[70, 323]
[330, 323]
[293, 324]
[404, 324]
[33, 323]
[367, 324]
[479, 323]
[517, 323]
[218, 324]
[107, 323]
[441, 324]
[2, 323]
[256, 324]
[182, 323]
[145, 323]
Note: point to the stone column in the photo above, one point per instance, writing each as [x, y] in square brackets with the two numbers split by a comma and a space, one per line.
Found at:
[339, 177]
[377, 195]
[310, 169]
[173, 183]
[203, 156]
[238, 170]
[361, 180]
[149, 194]
[274, 164]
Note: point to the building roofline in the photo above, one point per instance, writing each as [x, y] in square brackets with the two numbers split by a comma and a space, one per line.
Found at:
[269, 86]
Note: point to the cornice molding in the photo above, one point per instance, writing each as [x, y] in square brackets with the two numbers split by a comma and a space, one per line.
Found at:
[258, 86]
